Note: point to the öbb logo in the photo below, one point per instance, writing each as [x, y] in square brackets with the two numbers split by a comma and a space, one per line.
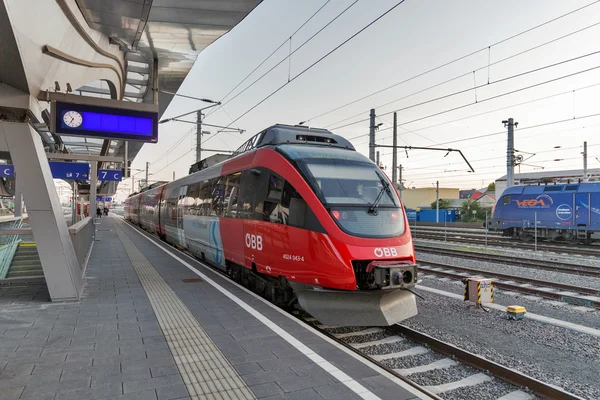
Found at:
[542, 201]
[385, 252]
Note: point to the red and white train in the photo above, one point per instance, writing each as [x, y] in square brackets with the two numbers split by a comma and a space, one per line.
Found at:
[300, 216]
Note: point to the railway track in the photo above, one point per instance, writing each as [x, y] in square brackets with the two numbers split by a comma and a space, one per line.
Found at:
[390, 347]
[517, 261]
[448, 356]
[506, 242]
[588, 297]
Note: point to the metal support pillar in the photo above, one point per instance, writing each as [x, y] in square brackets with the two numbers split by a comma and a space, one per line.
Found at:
[437, 201]
[74, 204]
[372, 135]
[93, 188]
[395, 151]
[400, 181]
[147, 166]
[18, 211]
[126, 159]
[584, 161]
[62, 271]
[510, 152]
[198, 136]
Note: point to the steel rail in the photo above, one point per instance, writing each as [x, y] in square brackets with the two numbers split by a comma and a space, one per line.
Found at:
[538, 282]
[567, 298]
[370, 359]
[557, 248]
[547, 265]
[507, 374]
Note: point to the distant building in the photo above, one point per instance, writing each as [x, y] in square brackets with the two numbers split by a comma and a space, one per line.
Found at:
[482, 196]
[466, 194]
[455, 204]
[549, 178]
[423, 197]
[486, 200]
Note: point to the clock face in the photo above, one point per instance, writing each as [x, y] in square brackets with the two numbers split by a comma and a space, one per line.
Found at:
[72, 119]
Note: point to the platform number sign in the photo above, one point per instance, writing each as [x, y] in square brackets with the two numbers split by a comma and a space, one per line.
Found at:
[110, 175]
[254, 242]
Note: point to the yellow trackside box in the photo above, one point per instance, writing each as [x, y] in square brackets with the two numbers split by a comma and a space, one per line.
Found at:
[515, 312]
[479, 290]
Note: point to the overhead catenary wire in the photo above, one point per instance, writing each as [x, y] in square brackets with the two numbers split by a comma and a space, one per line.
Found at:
[270, 55]
[520, 129]
[487, 99]
[485, 85]
[319, 60]
[475, 87]
[188, 133]
[290, 54]
[422, 155]
[487, 48]
[499, 158]
[483, 113]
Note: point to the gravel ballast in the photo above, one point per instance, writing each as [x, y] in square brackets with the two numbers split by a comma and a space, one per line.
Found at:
[486, 391]
[555, 309]
[552, 354]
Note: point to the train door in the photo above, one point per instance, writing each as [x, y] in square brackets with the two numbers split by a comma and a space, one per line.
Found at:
[273, 227]
[232, 226]
[251, 211]
[180, 210]
[582, 209]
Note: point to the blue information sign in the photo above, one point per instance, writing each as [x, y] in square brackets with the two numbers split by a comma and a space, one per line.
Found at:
[102, 198]
[70, 170]
[110, 175]
[105, 122]
[7, 170]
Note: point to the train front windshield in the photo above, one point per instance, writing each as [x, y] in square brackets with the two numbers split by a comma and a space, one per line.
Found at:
[358, 195]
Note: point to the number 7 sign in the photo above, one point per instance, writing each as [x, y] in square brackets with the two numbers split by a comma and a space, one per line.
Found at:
[110, 175]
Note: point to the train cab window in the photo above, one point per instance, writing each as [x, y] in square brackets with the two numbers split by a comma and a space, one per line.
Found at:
[506, 200]
[272, 210]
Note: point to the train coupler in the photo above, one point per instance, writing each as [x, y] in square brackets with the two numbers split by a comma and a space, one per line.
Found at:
[393, 274]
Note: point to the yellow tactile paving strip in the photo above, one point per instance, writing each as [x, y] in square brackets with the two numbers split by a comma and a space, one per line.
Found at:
[206, 372]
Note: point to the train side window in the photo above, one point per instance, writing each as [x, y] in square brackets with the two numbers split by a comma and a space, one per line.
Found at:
[552, 188]
[250, 185]
[218, 191]
[201, 197]
[191, 203]
[506, 200]
[232, 188]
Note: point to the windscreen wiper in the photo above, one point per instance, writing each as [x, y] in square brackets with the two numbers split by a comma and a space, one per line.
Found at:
[386, 188]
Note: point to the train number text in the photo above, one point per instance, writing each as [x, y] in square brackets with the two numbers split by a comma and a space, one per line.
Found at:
[254, 242]
[292, 257]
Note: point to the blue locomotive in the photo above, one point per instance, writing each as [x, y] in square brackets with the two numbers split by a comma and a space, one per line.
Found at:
[569, 212]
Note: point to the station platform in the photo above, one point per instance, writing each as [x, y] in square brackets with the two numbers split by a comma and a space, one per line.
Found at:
[154, 323]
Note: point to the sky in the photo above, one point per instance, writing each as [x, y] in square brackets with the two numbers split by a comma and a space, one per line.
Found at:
[547, 79]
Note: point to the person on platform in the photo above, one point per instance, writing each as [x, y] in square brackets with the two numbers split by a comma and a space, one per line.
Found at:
[98, 213]
[106, 211]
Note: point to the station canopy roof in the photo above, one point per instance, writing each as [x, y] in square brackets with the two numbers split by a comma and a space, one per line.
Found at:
[172, 32]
